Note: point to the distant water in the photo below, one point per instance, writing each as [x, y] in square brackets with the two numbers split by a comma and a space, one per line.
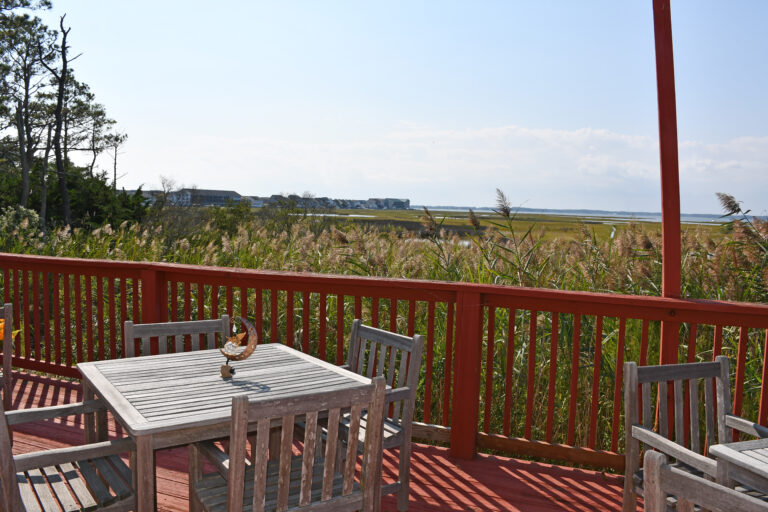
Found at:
[686, 218]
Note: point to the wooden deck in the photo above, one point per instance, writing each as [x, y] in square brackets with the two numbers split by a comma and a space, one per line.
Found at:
[438, 482]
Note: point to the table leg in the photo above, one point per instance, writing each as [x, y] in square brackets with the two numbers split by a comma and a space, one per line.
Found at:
[88, 420]
[145, 474]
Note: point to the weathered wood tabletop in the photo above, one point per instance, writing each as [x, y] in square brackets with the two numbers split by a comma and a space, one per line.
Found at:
[177, 399]
[745, 462]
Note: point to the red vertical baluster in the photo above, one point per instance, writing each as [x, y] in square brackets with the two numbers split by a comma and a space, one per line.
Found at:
[642, 362]
[273, 315]
[305, 307]
[618, 385]
[187, 312]
[339, 329]
[359, 307]
[136, 309]
[430, 358]
[763, 411]
[56, 318]
[36, 314]
[596, 383]
[230, 305]
[244, 306]
[687, 399]
[6, 285]
[78, 317]
[202, 343]
[574, 379]
[27, 319]
[393, 314]
[289, 317]
[67, 320]
[553, 342]
[375, 311]
[214, 301]
[489, 346]
[532, 323]
[717, 346]
[509, 371]
[411, 317]
[113, 320]
[323, 314]
[448, 363]
[46, 329]
[88, 284]
[741, 364]
[123, 312]
[17, 309]
[174, 301]
[100, 315]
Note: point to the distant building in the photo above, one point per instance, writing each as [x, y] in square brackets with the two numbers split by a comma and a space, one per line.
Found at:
[203, 197]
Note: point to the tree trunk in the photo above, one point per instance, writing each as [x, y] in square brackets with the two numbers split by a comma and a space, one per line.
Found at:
[44, 183]
[20, 128]
[61, 170]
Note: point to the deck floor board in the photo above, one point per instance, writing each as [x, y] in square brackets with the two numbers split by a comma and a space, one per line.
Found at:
[438, 482]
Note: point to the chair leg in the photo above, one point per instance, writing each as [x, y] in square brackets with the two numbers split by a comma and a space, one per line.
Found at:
[195, 474]
[404, 476]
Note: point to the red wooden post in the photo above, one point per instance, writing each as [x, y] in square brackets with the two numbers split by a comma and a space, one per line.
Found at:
[154, 297]
[670, 185]
[466, 387]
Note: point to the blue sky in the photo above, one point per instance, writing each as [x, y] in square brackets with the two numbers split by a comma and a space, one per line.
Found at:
[441, 102]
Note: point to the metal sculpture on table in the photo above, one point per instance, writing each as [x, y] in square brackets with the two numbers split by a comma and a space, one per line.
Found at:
[233, 349]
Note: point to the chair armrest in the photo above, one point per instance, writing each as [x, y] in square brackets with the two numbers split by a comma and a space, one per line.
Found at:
[56, 411]
[682, 454]
[46, 458]
[745, 426]
[395, 395]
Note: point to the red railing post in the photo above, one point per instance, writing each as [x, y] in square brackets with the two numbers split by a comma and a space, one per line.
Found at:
[466, 381]
[154, 296]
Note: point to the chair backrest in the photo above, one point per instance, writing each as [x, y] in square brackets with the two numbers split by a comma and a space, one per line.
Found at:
[374, 352]
[689, 382]
[7, 316]
[174, 336]
[11, 496]
[322, 484]
[662, 479]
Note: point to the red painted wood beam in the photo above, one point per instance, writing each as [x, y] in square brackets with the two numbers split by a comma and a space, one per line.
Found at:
[670, 183]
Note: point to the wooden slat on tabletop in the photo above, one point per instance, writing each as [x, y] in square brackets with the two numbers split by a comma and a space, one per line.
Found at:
[618, 382]
[532, 332]
[427, 418]
[553, 344]
[598, 355]
[509, 373]
[488, 398]
[574, 390]
[448, 382]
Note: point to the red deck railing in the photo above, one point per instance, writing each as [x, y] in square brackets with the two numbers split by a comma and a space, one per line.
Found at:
[525, 371]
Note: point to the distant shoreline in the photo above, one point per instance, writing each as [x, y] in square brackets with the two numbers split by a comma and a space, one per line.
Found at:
[691, 218]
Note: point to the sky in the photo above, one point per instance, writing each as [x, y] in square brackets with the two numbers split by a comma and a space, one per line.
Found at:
[441, 102]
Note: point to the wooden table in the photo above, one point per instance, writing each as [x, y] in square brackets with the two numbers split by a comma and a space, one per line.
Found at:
[745, 462]
[176, 399]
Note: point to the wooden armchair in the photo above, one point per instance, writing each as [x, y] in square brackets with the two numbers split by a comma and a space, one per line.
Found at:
[688, 447]
[375, 352]
[171, 335]
[662, 480]
[310, 481]
[86, 477]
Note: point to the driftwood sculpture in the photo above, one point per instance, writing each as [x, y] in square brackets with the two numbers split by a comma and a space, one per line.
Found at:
[233, 349]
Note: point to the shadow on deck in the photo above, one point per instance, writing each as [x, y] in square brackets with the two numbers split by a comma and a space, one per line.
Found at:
[438, 482]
